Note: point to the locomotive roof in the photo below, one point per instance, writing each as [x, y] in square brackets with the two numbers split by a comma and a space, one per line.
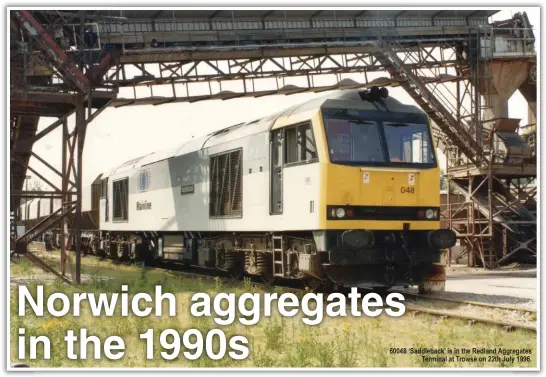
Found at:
[344, 98]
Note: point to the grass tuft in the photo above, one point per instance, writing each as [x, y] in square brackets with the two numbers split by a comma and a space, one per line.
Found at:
[273, 342]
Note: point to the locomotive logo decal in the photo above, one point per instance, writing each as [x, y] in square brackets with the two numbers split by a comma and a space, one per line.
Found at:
[143, 181]
[187, 189]
[411, 179]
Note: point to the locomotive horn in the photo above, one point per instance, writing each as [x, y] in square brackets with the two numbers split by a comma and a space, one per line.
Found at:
[374, 94]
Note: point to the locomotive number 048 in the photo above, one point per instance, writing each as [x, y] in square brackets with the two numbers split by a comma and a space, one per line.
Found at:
[407, 190]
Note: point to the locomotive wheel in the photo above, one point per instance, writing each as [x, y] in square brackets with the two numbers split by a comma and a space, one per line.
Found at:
[257, 263]
[268, 279]
[125, 252]
[140, 251]
[93, 247]
[313, 285]
[250, 263]
[237, 273]
[236, 269]
[119, 251]
[132, 252]
[113, 250]
[233, 266]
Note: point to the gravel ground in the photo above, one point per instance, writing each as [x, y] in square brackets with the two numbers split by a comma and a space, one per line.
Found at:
[515, 287]
[50, 278]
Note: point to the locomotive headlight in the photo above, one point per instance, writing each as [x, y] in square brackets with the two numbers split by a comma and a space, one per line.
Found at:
[429, 214]
[340, 212]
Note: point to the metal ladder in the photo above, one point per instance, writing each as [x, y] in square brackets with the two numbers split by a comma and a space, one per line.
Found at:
[489, 257]
[438, 111]
[278, 255]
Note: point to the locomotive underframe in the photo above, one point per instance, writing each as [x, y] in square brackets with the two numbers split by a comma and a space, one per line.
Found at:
[396, 258]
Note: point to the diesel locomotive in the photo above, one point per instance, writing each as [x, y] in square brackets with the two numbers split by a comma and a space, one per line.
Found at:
[343, 189]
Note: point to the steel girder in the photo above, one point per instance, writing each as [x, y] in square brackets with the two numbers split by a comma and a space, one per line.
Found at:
[195, 80]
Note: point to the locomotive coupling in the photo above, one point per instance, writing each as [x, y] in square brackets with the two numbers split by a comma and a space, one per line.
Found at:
[442, 238]
[357, 239]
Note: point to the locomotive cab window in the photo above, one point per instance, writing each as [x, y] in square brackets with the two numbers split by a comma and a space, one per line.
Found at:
[121, 199]
[300, 144]
[226, 184]
[363, 137]
[409, 143]
[353, 140]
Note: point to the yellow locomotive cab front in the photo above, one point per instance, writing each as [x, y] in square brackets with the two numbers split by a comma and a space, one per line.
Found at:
[381, 199]
[380, 193]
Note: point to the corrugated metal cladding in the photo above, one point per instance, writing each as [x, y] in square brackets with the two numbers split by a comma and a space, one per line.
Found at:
[136, 26]
[211, 14]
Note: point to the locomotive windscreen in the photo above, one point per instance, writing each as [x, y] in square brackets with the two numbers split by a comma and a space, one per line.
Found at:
[358, 137]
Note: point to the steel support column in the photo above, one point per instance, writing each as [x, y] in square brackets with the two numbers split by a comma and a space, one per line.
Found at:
[70, 175]
[80, 132]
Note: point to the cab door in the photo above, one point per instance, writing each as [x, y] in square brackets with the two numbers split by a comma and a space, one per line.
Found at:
[276, 170]
[106, 201]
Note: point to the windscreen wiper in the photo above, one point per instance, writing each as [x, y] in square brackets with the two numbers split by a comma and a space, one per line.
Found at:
[397, 125]
[359, 121]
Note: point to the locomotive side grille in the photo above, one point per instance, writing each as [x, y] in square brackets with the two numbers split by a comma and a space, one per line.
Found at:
[225, 185]
[121, 204]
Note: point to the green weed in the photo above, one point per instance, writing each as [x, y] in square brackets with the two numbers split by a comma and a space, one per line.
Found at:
[274, 334]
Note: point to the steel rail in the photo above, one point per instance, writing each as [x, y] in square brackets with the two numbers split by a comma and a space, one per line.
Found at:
[410, 308]
[467, 302]
[443, 313]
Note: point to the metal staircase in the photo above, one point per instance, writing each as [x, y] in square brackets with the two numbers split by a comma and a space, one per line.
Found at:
[436, 106]
[23, 128]
[45, 224]
[508, 218]
[494, 208]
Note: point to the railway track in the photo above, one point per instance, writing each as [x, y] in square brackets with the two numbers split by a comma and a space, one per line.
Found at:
[499, 315]
[527, 319]
[507, 316]
[475, 303]
[508, 325]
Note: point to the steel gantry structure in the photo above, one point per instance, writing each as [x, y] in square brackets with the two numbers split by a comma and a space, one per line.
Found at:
[78, 63]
